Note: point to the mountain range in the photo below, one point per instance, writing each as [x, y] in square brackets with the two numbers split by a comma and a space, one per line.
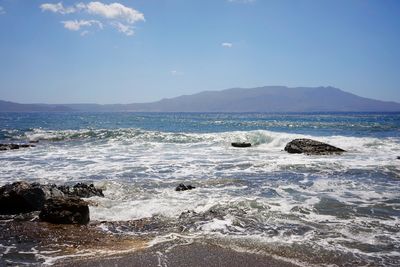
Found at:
[260, 99]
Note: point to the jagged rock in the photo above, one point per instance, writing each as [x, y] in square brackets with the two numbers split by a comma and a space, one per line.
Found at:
[14, 146]
[182, 187]
[242, 144]
[65, 211]
[311, 147]
[81, 190]
[22, 197]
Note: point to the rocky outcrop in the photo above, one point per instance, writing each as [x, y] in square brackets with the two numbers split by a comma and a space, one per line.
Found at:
[242, 144]
[14, 146]
[182, 187]
[82, 190]
[65, 211]
[22, 197]
[311, 147]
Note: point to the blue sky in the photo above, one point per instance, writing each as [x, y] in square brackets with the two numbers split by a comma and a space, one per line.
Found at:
[144, 50]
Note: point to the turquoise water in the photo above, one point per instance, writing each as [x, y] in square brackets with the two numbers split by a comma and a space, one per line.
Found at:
[346, 207]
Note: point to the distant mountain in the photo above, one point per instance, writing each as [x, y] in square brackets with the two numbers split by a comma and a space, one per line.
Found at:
[268, 99]
[261, 99]
[6, 106]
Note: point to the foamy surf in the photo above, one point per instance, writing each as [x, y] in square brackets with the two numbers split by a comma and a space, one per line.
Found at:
[341, 206]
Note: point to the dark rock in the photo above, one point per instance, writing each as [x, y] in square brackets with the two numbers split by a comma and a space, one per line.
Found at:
[398, 157]
[65, 211]
[33, 141]
[242, 144]
[311, 147]
[22, 197]
[13, 146]
[81, 190]
[182, 187]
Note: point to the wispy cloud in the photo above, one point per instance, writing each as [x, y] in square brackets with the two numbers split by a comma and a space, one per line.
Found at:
[227, 45]
[84, 33]
[123, 28]
[119, 16]
[76, 25]
[2, 11]
[176, 73]
[58, 8]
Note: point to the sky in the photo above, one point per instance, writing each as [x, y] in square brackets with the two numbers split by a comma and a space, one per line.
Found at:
[145, 50]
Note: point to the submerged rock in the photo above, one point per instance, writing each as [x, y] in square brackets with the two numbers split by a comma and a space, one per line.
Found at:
[241, 144]
[13, 146]
[65, 211]
[82, 190]
[22, 197]
[311, 147]
[182, 187]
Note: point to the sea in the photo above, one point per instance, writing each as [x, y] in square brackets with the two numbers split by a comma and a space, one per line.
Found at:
[326, 210]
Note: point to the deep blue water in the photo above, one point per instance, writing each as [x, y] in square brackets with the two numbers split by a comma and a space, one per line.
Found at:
[346, 124]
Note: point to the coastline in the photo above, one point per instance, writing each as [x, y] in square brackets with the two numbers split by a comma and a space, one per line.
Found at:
[193, 254]
[44, 244]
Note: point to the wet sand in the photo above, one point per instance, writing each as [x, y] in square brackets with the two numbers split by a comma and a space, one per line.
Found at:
[76, 245]
[195, 254]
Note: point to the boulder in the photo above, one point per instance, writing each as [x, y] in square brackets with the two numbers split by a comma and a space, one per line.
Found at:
[22, 197]
[242, 144]
[81, 190]
[65, 211]
[311, 147]
[182, 187]
[13, 146]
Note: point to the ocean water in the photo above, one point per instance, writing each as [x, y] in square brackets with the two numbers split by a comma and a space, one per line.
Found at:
[325, 210]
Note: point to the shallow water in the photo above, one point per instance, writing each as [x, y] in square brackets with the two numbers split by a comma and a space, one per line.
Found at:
[336, 209]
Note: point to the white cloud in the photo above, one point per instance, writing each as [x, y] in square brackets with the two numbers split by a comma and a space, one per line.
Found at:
[176, 73]
[115, 11]
[2, 11]
[119, 16]
[57, 8]
[75, 25]
[227, 45]
[122, 28]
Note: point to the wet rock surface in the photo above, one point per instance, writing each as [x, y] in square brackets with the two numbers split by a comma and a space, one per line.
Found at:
[65, 211]
[14, 146]
[81, 190]
[311, 147]
[241, 144]
[182, 187]
[22, 197]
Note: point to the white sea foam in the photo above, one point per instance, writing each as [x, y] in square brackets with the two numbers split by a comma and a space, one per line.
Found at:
[261, 191]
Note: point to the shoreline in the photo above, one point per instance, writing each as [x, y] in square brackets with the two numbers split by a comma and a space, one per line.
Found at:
[193, 254]
[38, 243]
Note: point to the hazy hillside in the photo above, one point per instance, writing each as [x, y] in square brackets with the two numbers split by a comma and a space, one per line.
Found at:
[6, 106]
[261, 99]
[268, 99]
